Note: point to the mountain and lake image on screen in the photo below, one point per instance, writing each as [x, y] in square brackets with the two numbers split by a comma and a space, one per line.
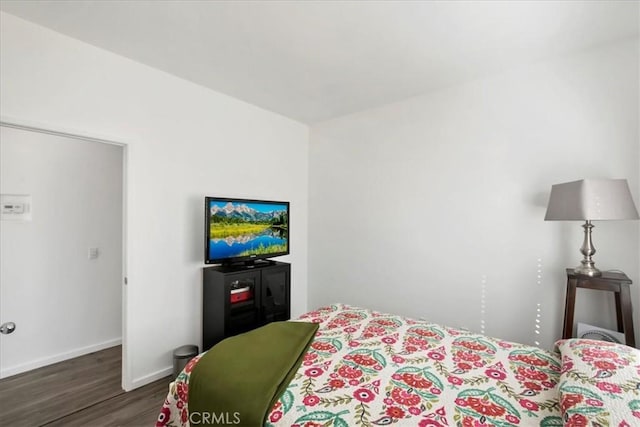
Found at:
[239, 229]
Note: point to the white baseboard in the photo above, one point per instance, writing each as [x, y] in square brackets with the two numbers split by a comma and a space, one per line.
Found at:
[139, 382]
[49, 360]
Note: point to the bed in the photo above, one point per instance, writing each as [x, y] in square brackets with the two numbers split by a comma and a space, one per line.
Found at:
[365, 368]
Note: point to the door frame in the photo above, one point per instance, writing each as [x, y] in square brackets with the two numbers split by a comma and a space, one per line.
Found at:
[82, 135]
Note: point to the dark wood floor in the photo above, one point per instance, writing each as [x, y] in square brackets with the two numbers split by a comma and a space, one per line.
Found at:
[84, 391]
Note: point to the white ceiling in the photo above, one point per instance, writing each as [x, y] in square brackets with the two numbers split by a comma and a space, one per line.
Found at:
[314, 60]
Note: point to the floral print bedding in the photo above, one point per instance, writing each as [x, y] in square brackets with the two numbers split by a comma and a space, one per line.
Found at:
[599, 383]
[366, 368]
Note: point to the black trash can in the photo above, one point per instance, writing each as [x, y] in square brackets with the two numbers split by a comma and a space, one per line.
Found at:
[181, 357]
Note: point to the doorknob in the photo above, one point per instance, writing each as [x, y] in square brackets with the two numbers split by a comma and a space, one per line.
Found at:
[7, 328]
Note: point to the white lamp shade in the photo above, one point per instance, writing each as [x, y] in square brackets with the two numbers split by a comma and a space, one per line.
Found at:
[592, 200]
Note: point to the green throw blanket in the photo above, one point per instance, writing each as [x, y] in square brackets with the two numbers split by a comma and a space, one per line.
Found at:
[239, 380]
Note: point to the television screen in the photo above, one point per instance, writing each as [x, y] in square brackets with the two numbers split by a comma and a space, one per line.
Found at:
[243, 230]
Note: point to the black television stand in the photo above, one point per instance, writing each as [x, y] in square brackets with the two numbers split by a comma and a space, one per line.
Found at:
[237, 298]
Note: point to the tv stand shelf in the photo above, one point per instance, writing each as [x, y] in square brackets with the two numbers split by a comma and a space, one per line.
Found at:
[262, 291]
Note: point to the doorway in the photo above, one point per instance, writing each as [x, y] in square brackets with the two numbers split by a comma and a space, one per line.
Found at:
[62, 246]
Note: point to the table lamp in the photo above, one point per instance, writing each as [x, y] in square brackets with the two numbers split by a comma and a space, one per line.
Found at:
[590, 200]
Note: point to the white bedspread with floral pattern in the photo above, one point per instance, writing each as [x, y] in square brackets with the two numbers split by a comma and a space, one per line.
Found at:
[366, 368]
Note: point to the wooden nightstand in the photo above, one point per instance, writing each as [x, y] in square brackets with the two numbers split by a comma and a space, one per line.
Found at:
[613, 282]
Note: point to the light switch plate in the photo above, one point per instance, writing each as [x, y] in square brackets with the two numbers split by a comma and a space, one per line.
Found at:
[93, 253]
[15, 207]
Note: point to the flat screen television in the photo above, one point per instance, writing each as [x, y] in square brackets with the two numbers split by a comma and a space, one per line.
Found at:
[242, 230]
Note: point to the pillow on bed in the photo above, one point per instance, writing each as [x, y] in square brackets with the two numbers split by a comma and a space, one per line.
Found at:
[599, 383]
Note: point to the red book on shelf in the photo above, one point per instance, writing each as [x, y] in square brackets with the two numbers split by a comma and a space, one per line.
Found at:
[240, 295]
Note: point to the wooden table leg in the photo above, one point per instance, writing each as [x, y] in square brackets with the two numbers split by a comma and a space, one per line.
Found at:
[619, 310]
[569, 308]
[627, 319]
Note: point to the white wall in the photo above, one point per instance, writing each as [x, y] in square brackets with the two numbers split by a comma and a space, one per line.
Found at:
[183, 142]
[430, 206]
[63, 303]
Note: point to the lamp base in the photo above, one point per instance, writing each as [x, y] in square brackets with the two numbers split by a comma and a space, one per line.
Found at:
[587, 270]
[587, 267]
